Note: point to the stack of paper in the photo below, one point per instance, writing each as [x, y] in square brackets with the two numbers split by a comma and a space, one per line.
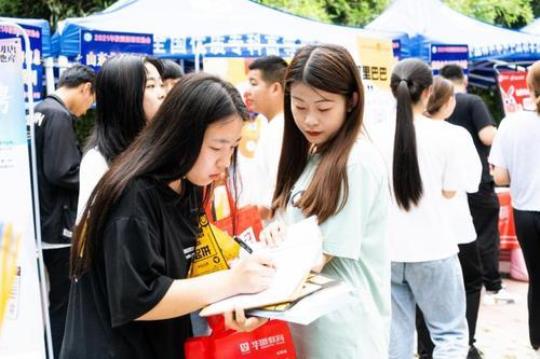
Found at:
[313, 306]
[294, 258]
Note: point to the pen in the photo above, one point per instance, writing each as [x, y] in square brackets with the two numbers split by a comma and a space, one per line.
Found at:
[243, 244]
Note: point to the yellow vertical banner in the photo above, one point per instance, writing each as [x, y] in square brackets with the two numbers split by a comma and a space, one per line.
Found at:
[376, 61]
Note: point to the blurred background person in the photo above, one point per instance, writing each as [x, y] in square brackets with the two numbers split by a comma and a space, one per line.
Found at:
[171, 74]
[472, 113]
[129, 91]
[440, 106]
[516, 163]
[425, 175]
[265, 93]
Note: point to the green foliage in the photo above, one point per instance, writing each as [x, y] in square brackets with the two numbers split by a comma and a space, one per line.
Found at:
[355, 12]
[535, 5]
[52, 10]
[507, 13]
[83, 126]
[341, 12]
[313, 9]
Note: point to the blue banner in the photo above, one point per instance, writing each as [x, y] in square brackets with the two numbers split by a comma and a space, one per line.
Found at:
[36, 45]
[449, 54]
[245, 45]
[98, 46]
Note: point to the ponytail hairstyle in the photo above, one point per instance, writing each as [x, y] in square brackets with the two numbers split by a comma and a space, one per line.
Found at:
[533, 82]
[442, 92]
[329, 68]
[409, 80]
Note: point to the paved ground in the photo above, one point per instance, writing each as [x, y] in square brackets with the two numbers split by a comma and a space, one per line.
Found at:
[502, 331]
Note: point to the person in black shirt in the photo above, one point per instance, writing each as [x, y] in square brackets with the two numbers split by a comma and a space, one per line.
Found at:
[130, 296]
[472, 114]
[58, 157]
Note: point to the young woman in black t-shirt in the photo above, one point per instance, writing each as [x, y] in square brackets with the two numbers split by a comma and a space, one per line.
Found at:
[130, 297]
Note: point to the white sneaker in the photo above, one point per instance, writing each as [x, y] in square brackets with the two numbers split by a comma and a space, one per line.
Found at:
[500, 297]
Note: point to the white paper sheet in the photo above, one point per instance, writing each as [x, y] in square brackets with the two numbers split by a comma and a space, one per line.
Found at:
[294, 258]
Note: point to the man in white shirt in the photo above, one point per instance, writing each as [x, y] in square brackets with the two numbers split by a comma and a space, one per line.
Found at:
[265, 92]
[472, 114]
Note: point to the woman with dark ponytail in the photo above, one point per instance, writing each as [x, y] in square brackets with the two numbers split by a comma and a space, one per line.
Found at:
[425, 173]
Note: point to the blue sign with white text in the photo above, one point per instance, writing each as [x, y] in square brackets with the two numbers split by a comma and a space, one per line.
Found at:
[449, 54]
[244, 45]
[98, 46]
[34, 34]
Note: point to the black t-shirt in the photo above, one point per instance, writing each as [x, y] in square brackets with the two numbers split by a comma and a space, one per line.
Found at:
[472, 113]
[58, 158]
[150, 231]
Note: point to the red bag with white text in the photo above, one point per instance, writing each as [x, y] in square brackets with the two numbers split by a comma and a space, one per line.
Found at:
[272, 340]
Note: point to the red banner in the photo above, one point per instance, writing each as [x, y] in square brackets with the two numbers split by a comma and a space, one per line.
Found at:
[514, 91]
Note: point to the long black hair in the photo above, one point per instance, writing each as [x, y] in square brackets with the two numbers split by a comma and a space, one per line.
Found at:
[165, 150]
[329, 68]
[120, 86]
[409, 80]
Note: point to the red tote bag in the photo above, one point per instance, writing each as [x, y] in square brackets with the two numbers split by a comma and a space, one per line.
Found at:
[270, 341]
[245, 221]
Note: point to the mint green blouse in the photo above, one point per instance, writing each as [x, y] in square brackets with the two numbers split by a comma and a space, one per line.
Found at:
[356, 238]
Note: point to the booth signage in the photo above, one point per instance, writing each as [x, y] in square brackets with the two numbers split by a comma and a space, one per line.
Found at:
[98, 46]
[514, 92]
[240, 46]
[36, 47]
[449, 54]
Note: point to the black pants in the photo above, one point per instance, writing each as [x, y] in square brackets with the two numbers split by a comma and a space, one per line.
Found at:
[57, 265]
[471, 267]
[485, 213]
[528, 233]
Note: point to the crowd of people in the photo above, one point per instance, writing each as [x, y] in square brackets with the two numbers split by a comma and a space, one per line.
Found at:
[407, 207]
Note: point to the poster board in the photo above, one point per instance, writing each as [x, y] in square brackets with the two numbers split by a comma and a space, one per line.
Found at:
[22, 335]
[375, 62]
[514, 92]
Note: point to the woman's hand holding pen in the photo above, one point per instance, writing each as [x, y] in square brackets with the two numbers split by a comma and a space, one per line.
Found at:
[253, 273]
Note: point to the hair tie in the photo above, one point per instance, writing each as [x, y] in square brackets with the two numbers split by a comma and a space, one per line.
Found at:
[405, 80]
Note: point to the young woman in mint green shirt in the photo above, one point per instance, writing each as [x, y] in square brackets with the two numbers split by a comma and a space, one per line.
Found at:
[330, 169]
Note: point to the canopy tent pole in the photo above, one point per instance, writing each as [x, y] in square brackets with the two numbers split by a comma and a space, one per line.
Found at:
[49, 74]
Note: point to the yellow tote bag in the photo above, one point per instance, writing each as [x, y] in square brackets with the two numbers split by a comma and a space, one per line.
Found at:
[213, 251]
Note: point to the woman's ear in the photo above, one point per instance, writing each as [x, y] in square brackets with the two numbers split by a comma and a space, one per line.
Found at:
[352, 102]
